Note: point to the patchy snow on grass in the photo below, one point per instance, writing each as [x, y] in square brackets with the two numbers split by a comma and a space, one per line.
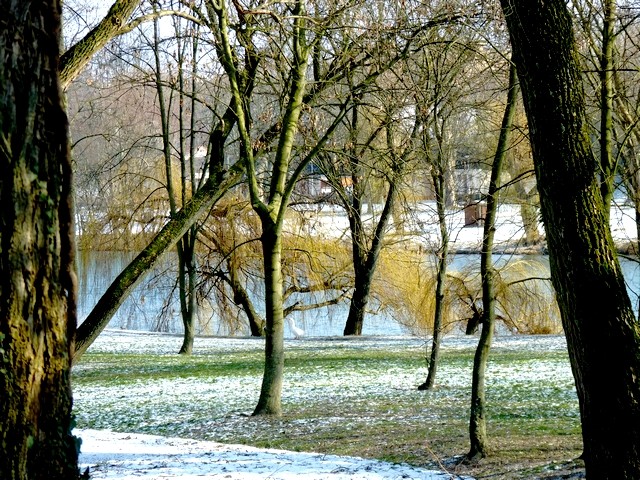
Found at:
[148, 397]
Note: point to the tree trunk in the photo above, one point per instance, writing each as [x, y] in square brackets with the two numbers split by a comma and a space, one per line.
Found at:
[37, 287]
[269, 402]
[478, 420]
[241, 297]
[603, 336]
[629, 153]
[607, 161]
[359, 301]
[529, 215]
[637, 210]
[78, 56]
[365, 261]
[187, 278]
[440, 186]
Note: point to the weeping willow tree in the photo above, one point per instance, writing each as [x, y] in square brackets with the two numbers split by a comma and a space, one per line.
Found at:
[525, 299]
[402, 289]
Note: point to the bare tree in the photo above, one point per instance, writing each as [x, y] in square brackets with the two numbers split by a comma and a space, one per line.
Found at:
[477, 421]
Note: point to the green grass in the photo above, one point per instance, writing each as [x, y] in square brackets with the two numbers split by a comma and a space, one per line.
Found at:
[342, 400]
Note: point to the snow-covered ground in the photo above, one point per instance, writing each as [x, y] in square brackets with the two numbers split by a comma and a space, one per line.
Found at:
[129, 456]
[421, 225]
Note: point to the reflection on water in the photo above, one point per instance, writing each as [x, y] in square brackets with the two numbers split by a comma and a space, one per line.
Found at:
[154, 305]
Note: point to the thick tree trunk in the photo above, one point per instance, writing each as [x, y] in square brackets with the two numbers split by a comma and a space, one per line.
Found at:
[478, 420]
[603, 336]
[269, 402]
[37, 311]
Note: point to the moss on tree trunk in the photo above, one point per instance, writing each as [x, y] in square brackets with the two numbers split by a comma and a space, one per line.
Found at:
[37, 311]
[603, 335]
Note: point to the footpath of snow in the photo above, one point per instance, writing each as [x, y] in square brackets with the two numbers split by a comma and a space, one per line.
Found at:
[129, 456]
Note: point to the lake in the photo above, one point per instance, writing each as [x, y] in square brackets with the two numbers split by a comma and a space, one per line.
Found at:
[153, 306]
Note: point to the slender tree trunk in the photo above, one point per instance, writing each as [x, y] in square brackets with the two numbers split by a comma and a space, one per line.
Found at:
[187, 277]
[443, 259]
[528, 214]
[637, 209]
[269, 402]
[187, 247]
[37, 311]
[603, 335]
[630, 154]
[478, 419]
[607, 160]
[242, 299]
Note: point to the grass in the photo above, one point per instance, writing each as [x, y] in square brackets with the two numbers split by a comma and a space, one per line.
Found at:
[352, 398]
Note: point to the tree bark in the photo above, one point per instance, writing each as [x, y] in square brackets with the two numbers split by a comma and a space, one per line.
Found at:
[603, 336]
[607, 161]
[242, 299]
[78, 55]
[37, 311]
[269, 402]
[187, 279]
[440, 186]
[440, 167]
[365, 261]
[478, 419]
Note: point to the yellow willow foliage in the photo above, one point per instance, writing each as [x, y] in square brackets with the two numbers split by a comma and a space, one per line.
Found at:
[525, 299]
[404, 289]
[405, 283]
